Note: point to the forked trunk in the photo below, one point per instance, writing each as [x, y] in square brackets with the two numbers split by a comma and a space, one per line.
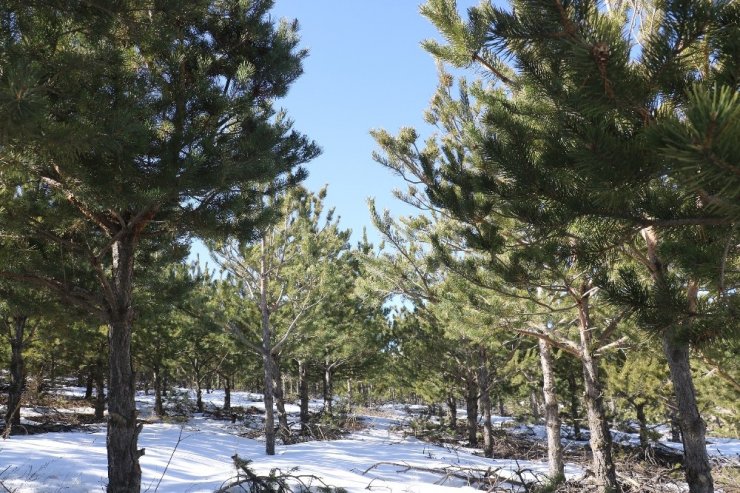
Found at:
[556, 469]
[124, 472]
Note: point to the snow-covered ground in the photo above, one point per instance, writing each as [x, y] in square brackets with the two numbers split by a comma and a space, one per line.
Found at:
[196, 457]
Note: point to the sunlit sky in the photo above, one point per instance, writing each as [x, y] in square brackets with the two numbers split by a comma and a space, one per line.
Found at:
[366, 69]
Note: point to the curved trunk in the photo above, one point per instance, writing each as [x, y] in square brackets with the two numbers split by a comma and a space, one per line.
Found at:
[693, 428]
[556, 469]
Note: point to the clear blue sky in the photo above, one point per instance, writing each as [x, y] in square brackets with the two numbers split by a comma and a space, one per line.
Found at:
[365, 70]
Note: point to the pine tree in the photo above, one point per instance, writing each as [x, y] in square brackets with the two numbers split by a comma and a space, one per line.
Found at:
[135, 120]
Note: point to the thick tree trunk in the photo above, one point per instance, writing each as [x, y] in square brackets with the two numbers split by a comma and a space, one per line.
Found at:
[484, 383]
[328, 388]
[303, 392]
[452, 413]
[575, 418]
[556, 469]
[17, 327]
[471, 402]
[693, 428]
[124, 472]
[601, 438]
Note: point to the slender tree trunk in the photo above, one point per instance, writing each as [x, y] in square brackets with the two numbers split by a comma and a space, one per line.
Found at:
[89, 382]
[100, 387]
[198, 392]
[556, 469]
[328, 388]
[501, 409]
[640, 411]
[601, 438]
[124, 472]
[303, 392]
[267, 355]
[227, 393]
[534, 404]
[575, 419]
[279, 388]
[452, 412]
[17, 327]
[157, 376]
[471, 402]
[484, 383]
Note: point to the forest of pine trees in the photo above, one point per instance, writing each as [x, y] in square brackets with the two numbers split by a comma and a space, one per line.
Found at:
[573, 258]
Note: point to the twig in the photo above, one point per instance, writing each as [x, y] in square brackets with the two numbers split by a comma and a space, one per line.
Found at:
[179, 439]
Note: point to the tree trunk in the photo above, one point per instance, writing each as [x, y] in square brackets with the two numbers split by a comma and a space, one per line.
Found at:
[471, 402]
[534, 404]
[124, 472]
[640, 410]
[693, 428]
[328, 388]
[198, 393]
[556, 469]
[452, 412]
[484, 383]
[227, 392]
[575, 419]
[279, 388]
[17, 327]
[303, 392]
[267, 355]
[601, 438]
[157, 377]
[99, 388]
[89, 382]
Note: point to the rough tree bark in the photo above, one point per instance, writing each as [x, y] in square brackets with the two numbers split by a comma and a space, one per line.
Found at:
[601, 438]
[693, 429]
[124, 472]
[556, 469]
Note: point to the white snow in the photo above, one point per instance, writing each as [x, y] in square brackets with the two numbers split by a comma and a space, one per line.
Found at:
[196, 456]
